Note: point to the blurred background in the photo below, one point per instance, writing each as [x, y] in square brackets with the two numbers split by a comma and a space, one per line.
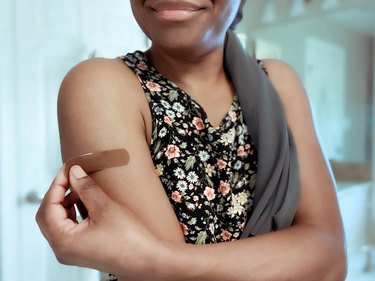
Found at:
[330, 43]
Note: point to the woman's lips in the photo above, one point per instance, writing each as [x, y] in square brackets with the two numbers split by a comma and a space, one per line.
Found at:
[177, 14]
[175, 11]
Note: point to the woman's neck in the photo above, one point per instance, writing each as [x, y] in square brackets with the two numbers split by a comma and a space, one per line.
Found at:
[190, 71]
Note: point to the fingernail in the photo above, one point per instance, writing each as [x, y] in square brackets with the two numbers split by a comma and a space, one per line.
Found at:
[78, 172]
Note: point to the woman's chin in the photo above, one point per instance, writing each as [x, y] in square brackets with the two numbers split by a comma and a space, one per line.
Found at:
[183, 44]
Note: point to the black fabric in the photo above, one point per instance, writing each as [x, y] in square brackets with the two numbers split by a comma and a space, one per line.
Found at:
[277, 189]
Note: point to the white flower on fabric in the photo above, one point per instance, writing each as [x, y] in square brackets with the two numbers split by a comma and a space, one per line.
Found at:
[235, 210]
[159, 170]
[182, 186]
[179, 173]
[178, 107]
[190, 206]
[242, 198]
[163, 132]
[210, 170]
[165, 104]
[181, 132]
[204, 156]
[237, 165]
[192, 177]
[171, 114]
[228, 138]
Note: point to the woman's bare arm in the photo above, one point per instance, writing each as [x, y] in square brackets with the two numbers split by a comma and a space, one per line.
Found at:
[102, 106]
[313, 248]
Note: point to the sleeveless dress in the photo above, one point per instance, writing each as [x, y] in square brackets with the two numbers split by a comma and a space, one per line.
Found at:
[208, 173]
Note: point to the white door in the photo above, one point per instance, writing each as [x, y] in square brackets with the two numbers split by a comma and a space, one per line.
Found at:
[40, 41]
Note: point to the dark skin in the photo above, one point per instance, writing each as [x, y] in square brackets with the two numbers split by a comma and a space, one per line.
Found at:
[124, 234]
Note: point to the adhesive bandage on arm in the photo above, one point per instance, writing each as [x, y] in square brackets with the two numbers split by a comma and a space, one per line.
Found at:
[100, 160]
[96, 161]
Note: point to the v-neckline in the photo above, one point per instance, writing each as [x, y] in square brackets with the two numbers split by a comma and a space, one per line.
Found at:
[201, 109]
[203, 112]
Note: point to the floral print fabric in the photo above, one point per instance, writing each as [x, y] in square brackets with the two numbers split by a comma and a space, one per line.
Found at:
[208, 173]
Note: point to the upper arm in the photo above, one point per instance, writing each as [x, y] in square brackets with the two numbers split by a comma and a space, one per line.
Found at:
[318, 205]
[102, 106]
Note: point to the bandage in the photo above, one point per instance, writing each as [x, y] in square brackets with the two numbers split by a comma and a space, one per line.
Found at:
[100, 160]
[96, 161]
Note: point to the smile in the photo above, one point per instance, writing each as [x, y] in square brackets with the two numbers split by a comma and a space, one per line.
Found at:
[176, 14]
[180, 11]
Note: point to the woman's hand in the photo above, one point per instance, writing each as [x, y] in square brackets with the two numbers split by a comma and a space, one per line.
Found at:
[110, 239]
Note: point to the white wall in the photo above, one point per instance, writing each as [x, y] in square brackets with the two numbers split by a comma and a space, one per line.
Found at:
[40, 41]
[354, 205]
[109, 28]
[291, 39]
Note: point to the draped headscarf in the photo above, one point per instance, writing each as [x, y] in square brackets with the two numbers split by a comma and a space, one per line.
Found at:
[277, 188]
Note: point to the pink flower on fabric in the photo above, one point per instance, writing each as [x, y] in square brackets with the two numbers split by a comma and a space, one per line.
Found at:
[221, 164]
[210, 193]
[198, 123]
[152, 86]
[142, 66]
[184, 228]
[224, 188]
[172, 151]
[233, 116]
[168, 120]
[241, 151]
[226, 235]
[176, 196]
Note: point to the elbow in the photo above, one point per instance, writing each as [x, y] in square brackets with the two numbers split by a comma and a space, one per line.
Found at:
[337, 268]
[341, 267]
[329, 253]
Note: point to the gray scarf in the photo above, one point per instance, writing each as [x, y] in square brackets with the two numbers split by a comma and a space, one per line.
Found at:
[277, 188]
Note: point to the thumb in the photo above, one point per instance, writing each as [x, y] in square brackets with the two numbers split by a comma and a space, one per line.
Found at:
[92, 196]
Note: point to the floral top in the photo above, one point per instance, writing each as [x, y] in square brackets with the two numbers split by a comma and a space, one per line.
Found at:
[208, 173]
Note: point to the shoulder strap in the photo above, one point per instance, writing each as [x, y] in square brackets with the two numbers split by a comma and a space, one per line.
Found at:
[277, 188]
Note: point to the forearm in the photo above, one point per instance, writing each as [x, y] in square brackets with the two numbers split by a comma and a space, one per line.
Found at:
[112, 239]
[298, 253]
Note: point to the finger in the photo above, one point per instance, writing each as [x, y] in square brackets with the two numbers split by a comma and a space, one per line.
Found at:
[91, 195]
[52, 218]
[70, 199]
[51, 209]
[58, 188]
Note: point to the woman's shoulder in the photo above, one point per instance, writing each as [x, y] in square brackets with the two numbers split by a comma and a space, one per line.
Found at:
[98, 75]
[286, 82]
[282, 75]
[99, 83]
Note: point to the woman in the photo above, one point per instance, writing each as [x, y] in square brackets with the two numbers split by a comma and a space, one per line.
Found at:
[204, 157]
